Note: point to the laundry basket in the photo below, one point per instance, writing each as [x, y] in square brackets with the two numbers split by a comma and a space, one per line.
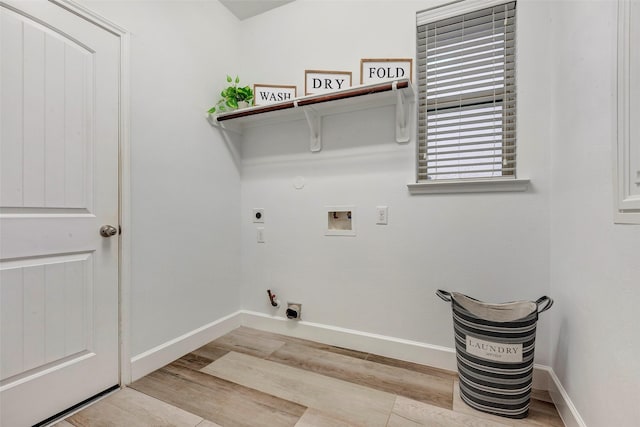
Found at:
[494, 348]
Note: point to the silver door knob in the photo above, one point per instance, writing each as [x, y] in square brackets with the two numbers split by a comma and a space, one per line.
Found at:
[108, 231]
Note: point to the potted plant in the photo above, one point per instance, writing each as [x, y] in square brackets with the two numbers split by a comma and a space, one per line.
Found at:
[233, 97]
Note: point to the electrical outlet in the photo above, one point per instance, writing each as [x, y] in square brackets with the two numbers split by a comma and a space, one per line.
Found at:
[258, 215]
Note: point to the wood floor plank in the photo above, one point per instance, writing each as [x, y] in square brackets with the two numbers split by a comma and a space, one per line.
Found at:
[544, 413]
[293, 340]
[435, 390]
[339, 399]
[241, 392]
[244, 340]
[396, 420]
[217, 400]
[207, 423]
[314, 418]
[540, 413]
[408, 411]
[337, 350]
[210, 352]
[542, 395]
[416, 367]
[131, 408]
[193, 361]
[63, 423]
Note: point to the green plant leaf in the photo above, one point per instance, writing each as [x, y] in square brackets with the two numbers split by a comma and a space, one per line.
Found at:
[244, 93]
[231, 95]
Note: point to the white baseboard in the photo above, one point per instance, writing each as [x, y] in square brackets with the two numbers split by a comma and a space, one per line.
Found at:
[397, 348]
[155, 358]
[568, 412]
[541, 377]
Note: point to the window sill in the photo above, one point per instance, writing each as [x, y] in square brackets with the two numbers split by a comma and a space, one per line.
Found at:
[469, 186]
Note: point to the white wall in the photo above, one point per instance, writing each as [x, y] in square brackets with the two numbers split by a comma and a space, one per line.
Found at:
[595, 265]
[185, 185]
[491, 246]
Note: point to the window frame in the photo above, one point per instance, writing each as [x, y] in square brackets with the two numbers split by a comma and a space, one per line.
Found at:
[461, 185]
[626, 204]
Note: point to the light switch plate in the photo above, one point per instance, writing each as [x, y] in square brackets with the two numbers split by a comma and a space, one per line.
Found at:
[382, 215]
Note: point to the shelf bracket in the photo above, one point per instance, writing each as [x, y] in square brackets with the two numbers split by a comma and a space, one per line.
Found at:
[314, 120]
[224, 127]
[402, 116]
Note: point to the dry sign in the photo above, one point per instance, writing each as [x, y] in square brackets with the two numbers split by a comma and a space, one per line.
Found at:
[385, 69]
[316, 81]
[273, 94]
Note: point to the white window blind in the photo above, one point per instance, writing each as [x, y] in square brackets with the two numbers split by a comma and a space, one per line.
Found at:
[467, 95]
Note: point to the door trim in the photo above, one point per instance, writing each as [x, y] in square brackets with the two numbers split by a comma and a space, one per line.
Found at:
[124, 181]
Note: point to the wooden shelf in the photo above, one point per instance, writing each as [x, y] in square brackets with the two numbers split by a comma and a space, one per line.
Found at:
[313, 107]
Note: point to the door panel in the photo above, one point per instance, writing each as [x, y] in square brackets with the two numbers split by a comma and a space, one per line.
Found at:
[48, 133]
[46, 307]
[58, 185]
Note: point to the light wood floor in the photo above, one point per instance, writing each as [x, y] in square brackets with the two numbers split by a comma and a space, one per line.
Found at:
[253, 378]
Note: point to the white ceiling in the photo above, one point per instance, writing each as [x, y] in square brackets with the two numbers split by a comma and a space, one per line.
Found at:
[244, 9]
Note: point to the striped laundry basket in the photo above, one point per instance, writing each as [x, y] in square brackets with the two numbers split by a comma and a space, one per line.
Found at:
[494, 348]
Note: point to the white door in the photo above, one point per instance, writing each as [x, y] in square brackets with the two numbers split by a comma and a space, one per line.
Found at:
[59, 123]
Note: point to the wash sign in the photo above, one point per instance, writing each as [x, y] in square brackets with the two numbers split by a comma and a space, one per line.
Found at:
[273, 94]
[385, 69]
